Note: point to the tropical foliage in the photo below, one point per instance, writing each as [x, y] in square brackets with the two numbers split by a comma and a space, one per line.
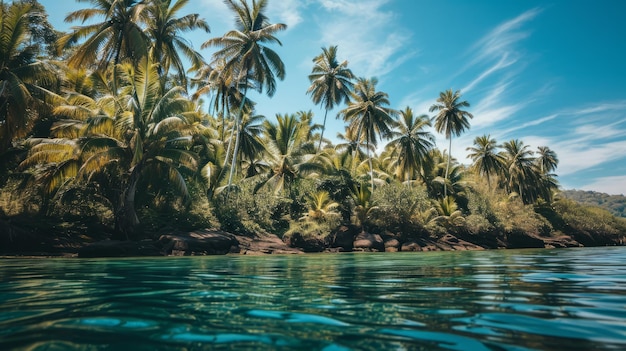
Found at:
[118, 133]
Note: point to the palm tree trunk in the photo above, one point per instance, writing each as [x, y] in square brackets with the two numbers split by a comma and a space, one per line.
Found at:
[319, 147]
[369, 157]
[237, 125]
[445, 178]
[126, 217]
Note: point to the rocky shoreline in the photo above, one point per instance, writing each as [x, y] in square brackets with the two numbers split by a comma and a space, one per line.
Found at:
[218, 242]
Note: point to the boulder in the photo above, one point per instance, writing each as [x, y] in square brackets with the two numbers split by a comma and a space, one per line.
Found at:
[309, 243]
[368, 242]
[451, 242]
[343, 237]
[392, 245]
[202, 242]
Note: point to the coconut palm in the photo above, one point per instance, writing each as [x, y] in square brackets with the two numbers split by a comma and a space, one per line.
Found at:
[547, 159]
[142, 139]
[167, 44]
[521, 170]
[23, 78]
[411, 143]
[321, 207]
[331, 82]
[485, 157]
[288, 152]
[117, 37]
[369, 114]
[245, 55]
[450, 118]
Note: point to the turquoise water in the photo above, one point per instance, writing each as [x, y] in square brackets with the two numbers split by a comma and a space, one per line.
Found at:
[568, 299]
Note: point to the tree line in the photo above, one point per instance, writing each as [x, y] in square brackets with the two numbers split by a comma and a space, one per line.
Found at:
[110, 118]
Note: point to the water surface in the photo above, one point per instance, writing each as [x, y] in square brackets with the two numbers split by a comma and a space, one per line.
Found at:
[568, 299]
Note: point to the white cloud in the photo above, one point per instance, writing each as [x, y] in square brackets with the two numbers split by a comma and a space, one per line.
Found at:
[501, 40]
[491, 109]
[366, 35]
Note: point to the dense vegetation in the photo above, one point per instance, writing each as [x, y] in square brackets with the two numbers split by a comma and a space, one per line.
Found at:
[104, 127]
[616, 204]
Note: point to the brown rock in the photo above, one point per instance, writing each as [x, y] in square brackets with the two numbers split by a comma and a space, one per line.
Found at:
[343, 237]
[201, 242]
[368, 242]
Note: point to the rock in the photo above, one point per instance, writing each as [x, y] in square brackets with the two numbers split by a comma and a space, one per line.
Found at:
[451, 242]
[264, 244]
[411, 246]
[202, 242]
[116, 248]
[519, 240]
[308, 243]
[343, 237]
[368, 242]
[392, 245]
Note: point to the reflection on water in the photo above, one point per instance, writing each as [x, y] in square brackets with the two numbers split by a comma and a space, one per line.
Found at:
[571, 299]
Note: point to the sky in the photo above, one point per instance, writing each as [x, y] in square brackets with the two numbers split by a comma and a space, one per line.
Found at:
[549, 73]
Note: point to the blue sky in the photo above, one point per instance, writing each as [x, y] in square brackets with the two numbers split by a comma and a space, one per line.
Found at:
[547, 73]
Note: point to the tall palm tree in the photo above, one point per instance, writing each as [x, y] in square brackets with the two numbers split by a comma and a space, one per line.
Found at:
[547, 159]
[522, 175]
[331, 82]
[411, 143]
[369, 114]
[117, 37]
[245, 55]
[486, 159]
[23, 78]
[450, 118]
[164, 30]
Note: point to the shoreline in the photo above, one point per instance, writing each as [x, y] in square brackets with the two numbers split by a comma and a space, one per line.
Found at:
[206, 242]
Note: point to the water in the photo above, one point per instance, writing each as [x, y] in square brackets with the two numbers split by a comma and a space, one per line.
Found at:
[568, 299]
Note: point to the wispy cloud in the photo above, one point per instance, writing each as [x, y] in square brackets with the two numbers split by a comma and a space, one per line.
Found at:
[492, 109]
[502, 39]
[366, 34]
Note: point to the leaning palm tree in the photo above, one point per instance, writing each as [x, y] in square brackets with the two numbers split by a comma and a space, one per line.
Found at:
[245, 55]
[164, 30]
[23, 77]
[411, 143]
[331, 82]
[486, 159]
[369, 114]
[450, 118]
[117, 37]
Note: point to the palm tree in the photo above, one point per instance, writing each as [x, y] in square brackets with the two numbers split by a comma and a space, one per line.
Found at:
[369, 114]
[411, 144]
[288, 152]
[547, 159]
[331, 82]
[486, 160]
[117, 37]
[450, 118]
[138, 137]
[164, 28]
[522, 175]
[23, 78]
[245, 56]
[321, 207]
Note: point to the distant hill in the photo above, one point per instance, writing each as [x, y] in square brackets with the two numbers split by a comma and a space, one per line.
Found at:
[616, 204]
